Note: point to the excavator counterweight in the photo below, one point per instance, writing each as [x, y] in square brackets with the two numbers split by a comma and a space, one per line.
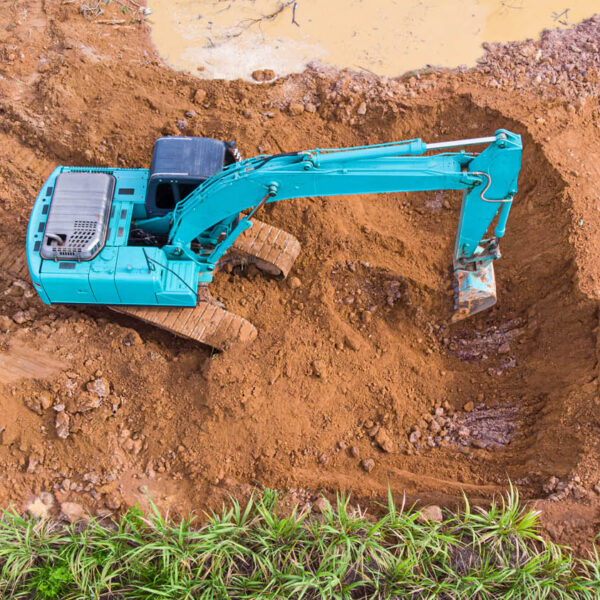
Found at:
[147, 242]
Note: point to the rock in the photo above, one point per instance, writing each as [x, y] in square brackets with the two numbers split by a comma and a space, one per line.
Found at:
[40, 507]
[295, 109]
[351, 343]
[112, 501]
[362, 109]
[199, 96]
[84, 402]
[181, 124]
[384, 441]
[481, 444]
[309, 107]
[72, 511]
[190, 114]
[341, 445]
[268, 74]
[469, 406]
[45, 400]
[322, 505]
[551, 485]
[367, 464]
[434, 426]
[21, 317]
[439, 412]
[431, 513]
[294, 283]
[319, 368]
[5, 323]
[323, 458]
[99, 386]
[366, 316]
[258, 75]
[62, 424]
[414, 436]
[354, 451]
[33, 404]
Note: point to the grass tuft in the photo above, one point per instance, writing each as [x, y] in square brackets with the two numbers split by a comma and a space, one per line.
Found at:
[258, 551]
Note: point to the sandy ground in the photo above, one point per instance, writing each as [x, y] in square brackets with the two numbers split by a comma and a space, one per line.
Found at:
[352, 363]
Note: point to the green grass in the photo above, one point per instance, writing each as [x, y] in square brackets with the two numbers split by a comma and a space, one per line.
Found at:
[257, 551]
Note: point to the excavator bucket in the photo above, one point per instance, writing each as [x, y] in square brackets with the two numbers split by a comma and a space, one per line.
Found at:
[474, 290]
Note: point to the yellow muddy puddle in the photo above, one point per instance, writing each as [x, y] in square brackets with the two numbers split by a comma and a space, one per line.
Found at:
[231, 38]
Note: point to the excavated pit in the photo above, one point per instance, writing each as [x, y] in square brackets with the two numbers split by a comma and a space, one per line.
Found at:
[365, 341]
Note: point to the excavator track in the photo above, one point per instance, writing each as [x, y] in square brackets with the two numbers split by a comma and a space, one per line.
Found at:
[271, 249]
[206, 323]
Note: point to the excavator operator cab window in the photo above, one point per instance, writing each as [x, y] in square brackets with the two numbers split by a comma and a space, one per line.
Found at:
[185, 189]
[165, 198]
[169, 193]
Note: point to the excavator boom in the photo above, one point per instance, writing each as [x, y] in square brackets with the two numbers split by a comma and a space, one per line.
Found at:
[148, 238]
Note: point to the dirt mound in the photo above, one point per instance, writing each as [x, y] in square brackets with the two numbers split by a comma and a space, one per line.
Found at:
[356, 380]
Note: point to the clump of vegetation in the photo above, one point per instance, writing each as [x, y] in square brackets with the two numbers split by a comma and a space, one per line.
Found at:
[258, 552]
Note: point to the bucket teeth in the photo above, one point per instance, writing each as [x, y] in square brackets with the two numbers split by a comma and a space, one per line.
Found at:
[474, 290]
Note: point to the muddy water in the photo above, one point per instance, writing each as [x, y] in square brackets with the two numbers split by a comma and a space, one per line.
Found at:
[232, 38]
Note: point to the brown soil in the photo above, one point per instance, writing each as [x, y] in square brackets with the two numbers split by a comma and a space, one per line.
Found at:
[350, 362]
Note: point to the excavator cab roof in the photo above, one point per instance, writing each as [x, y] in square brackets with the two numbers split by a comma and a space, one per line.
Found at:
[183, 158]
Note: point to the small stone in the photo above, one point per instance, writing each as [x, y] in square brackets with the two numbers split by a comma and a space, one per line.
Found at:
[190, 114]
[84, 402]
[268, 74]
[33, 404]
[294, 283]
[481, 444]
[366, 316]
[414, 436]
[362, 109]
[296, 109]
[62, 424]
[434, 426]
[181, 124]
[439, 412]
[341, 445]
[323, 458]
[309, 107]
[384, 441]
[199, 96]
[354, 451]
[321, 504]
[351, 343]
[597, 488]
[469, 406]
[367, 464]
[113, 502]
[258, 75]
[39, 507]
[72, 511]
[431, 513]
[21, 317]
[319, 368]
[45, 400]
[99, 386]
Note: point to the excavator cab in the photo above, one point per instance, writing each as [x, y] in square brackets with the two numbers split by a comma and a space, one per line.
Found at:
[179, 166]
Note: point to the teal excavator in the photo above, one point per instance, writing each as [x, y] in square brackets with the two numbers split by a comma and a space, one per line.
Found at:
[147, 242]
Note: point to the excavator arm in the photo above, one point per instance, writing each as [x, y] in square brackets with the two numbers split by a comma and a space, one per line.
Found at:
[489, 181]
[147, 242]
